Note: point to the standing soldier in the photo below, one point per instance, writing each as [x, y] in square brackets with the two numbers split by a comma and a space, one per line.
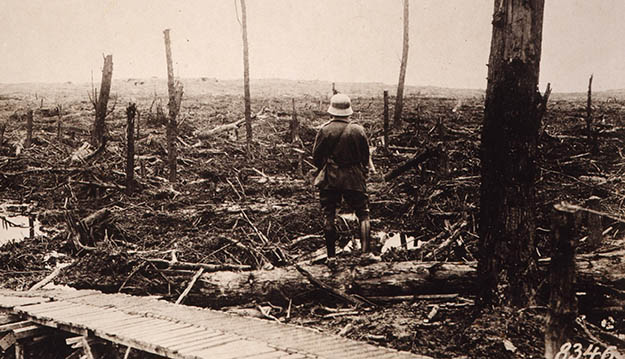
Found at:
[341, 153]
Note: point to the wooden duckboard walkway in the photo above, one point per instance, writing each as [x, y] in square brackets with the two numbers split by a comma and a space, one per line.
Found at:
[178, 331]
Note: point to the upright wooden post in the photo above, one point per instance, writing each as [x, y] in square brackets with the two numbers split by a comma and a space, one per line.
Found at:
[59, 133]
[294, 125]
[295, 139]
[3, 125]
[595, 227]
[131, 110]
[29, 128]
[562, 300]
[101, 103]
[19, 350]
[589, 110]
[137, 123]
[386, 125]
[399, 100]
[246, 81]
[175, 97]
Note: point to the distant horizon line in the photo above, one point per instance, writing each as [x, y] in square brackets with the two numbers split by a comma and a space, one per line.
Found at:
[204, 78]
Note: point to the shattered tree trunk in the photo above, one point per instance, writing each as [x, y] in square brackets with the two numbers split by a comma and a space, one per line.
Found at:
[101, 103]
[29, 129]
[246, 81]
[562, 301]
[3, 126]
[175, 97]
[131, 110]
[399, 100]
[384, 279]
[385, 116]
[506, 254]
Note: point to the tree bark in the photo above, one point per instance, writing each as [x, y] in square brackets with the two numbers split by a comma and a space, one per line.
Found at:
[29, 129]
[294, 125]
[385, 115]
[507, 264]
[101, 103]
[562, 300]
[595, 273]
[131, 110]
[175, 97]
[246, 81]
[399, 100]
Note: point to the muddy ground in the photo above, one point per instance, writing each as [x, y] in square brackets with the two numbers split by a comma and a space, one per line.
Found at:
[227, 208]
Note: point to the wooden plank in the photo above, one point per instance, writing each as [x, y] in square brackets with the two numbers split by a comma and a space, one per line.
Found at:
[7, 340]
[131, 322]
[49, 310]
[19, 351]
[150, 331]
[17, 325]
[8, 318]
[113, 323]
[29, 331]
[110, 318]
[236, 349]
[40, 307]
[142, 346]
[94, 312]
[275, 354]
[201, 333]
[157, 337]
[210, 342]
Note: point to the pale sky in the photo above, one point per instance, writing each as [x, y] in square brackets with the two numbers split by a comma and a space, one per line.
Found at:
[333, 40]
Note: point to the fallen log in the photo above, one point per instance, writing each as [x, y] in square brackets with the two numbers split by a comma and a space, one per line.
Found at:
[595, 271]
[411, 163]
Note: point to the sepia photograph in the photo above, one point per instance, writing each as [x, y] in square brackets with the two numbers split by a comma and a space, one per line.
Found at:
[298, 179]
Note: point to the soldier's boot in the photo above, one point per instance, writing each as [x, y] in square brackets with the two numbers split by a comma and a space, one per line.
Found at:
[365, 234]
[330, 236]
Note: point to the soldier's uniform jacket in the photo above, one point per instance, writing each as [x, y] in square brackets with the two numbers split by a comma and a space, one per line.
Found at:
[348, 164]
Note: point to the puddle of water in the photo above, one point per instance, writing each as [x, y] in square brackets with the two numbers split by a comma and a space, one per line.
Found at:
[14, 227]
[394, 240]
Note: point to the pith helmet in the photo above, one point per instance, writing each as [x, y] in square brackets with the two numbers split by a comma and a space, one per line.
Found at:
[340, 105]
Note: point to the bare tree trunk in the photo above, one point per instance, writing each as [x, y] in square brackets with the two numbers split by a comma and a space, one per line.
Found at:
[29, 129]
[3, 126]
[131, 110]
[595, 227]
[562, 274]
[294, 125]
[175, 97]
[246, 81]
[295, 139]
[592, 136]
[101, 103]
[399, 101]
[59, 124]
[385, 115]
[506, 253]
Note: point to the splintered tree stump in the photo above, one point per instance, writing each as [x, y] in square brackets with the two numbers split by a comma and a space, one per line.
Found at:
[175, 98]
[29, 129]
[3, 126]
[508, 152]
[562, 276]
[101, 103]
[246, 81]
[399, 100]
[131, 111]
[386, 125]
[595, 227]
